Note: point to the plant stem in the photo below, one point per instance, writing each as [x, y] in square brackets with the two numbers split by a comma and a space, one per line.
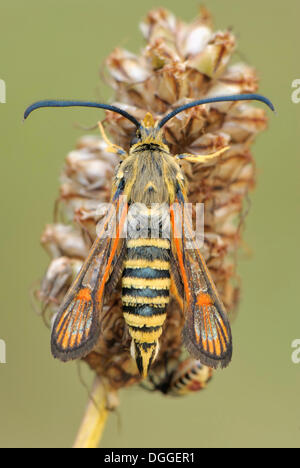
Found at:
[94, 420]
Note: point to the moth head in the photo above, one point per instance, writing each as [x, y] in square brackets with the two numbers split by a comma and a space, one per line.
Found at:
[148, 133]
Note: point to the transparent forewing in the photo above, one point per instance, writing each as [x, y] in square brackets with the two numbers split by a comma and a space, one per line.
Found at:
[77, 325]
[207, 333]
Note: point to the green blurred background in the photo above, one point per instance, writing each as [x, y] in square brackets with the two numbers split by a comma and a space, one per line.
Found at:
[53, 49]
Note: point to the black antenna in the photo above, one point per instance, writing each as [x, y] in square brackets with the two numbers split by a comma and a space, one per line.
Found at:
[235, 97]
[47, 103]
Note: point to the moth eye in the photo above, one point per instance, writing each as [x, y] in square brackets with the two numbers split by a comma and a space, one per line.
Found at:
[134, 140]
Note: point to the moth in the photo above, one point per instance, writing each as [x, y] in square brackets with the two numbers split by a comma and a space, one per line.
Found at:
[189, 376]
[150, 267]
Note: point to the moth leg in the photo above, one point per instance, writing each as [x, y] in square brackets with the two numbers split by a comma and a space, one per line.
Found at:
[201, 158]
[112, 148]
[112, 400]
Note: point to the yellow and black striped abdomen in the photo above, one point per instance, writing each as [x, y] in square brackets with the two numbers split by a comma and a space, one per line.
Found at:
[145, 296]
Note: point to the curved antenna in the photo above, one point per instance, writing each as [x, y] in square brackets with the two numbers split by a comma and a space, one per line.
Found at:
[53, 103]
[235, 97]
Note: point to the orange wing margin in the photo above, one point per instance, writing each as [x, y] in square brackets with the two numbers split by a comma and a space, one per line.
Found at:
[207, 332]
[77, 326]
